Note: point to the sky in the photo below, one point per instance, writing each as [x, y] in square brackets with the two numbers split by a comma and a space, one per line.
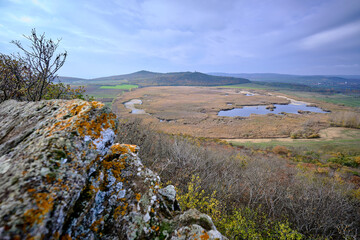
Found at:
[111, 37]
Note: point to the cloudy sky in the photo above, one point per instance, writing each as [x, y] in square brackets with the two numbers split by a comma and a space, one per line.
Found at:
[109, 37]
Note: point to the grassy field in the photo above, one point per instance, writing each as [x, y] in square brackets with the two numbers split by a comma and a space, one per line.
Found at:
[106, 94]
[245, 86]
[122, 86]
[339, 99]
[347, 141]
[341, 145]
[350, 100]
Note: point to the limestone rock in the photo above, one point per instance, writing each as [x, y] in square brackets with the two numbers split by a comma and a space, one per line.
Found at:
[63, 177]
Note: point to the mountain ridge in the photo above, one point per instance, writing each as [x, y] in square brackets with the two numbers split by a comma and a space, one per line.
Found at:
[146, 78]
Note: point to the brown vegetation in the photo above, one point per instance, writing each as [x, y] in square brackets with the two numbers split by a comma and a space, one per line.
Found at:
[345, 119]
[313, 204]
[193, 111]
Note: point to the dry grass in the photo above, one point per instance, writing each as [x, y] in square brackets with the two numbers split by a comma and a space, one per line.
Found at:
[193, 111]
[345, 119]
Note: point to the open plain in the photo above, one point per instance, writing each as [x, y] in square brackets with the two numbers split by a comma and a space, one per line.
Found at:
[193, 111]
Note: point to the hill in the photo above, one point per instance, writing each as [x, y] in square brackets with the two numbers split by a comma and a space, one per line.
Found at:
[146, 78]
[342, 82]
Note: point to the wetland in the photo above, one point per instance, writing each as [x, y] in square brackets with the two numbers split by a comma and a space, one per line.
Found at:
[194, 111]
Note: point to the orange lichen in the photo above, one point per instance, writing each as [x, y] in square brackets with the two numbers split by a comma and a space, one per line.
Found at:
[138, 196]
[96, 104]
[119, 148]
[44, 203]
[94, 189]
[95, 226]
[79, 119]
[205, 236]
[124, 209]
[121, 209]
[155, 228]
[116, 165]
[131, 147]
[50, 178]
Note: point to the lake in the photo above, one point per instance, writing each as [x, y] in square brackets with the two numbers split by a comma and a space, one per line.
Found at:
[246, 111]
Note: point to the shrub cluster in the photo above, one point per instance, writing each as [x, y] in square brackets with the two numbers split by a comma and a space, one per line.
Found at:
[229, 183]
[345, 119]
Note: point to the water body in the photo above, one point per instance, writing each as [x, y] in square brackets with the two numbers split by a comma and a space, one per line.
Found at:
[131, 105]
[246, 111]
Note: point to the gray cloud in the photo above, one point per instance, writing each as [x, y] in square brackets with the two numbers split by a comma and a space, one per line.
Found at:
[119, 36]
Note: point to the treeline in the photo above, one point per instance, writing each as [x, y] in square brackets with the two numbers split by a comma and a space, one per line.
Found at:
[30, 75]
[248, 196]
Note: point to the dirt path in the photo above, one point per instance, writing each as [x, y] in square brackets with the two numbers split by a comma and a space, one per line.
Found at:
[325, 134]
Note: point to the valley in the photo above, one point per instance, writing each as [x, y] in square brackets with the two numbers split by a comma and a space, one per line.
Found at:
[194, 111]
[245, 145]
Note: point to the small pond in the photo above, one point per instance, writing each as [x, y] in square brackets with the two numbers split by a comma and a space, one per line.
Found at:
[246, 111]
[131, 105]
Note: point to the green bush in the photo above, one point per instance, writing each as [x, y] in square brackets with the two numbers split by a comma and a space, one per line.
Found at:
[341, 158]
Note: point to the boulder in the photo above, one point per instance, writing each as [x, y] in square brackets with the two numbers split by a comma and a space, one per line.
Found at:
[63, 177]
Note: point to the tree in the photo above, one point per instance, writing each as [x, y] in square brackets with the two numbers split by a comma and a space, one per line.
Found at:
[30, 76]
[12, 73]
[42, 63]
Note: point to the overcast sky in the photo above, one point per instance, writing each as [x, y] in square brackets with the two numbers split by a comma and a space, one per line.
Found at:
[109, 37]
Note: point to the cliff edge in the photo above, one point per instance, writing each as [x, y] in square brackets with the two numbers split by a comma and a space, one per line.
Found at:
[63, 177]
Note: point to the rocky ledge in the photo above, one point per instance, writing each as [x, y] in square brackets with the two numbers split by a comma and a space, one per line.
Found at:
[63, 177]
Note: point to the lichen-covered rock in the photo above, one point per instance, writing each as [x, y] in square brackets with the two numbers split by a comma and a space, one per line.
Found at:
[63, 177]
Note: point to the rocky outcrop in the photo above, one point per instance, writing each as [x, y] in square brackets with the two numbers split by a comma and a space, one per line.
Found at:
[63, 177]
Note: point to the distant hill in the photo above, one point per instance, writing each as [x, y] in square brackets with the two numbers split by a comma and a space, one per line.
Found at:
[146, 78]
[320, 81]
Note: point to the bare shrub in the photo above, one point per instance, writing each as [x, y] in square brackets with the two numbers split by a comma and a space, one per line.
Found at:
[280, 150]
[314, 205]
[345, 119]
[30, 76]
